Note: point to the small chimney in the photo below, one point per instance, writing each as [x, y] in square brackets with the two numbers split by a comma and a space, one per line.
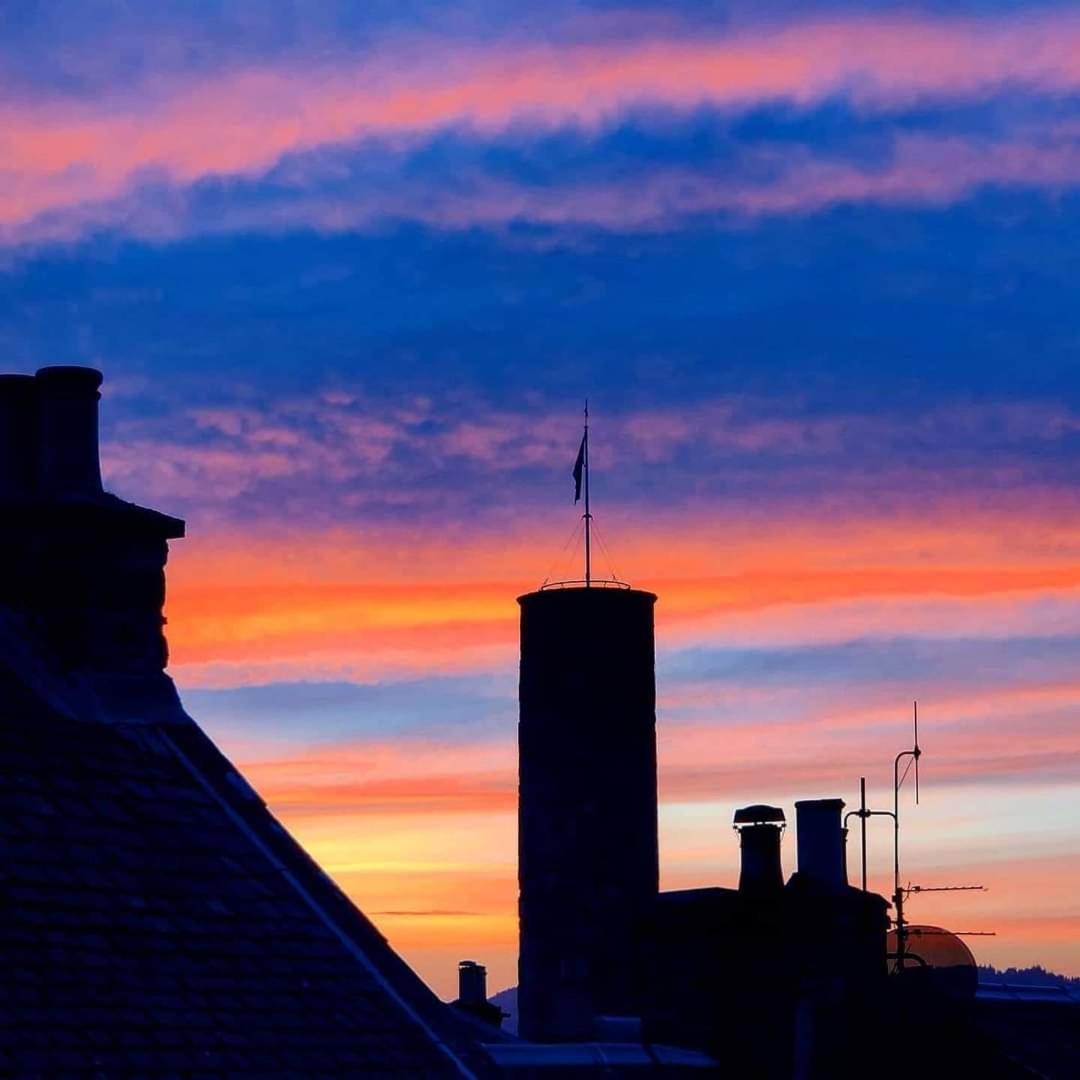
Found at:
[472, 994]
[472, 983]
[68, 414]
[759, 828]
[18, 437]
[820, 834]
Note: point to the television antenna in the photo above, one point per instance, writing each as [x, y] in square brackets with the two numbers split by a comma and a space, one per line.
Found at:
[901, 893]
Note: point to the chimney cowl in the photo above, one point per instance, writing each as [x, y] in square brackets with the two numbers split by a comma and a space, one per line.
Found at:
[69, 463]
[820, 836]
[760, 828]
[759, 814]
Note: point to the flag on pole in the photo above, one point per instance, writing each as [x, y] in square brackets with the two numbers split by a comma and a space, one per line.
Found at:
[579, 468]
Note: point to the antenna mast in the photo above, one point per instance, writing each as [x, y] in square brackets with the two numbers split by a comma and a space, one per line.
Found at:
[901, 892]
[898, 894]
[587, 516]
[864, 813]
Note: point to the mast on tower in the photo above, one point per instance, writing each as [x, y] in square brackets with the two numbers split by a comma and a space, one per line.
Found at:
[582, 492]
[587, 681]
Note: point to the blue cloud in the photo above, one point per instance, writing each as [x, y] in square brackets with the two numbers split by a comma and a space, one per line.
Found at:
[914, 662]
[890, 323]
[312, 713]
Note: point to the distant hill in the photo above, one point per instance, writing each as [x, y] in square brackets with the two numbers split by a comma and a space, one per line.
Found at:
[507, 1001]
[1029, 976]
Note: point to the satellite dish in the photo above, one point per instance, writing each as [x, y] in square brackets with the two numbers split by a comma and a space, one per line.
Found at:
[938, 959]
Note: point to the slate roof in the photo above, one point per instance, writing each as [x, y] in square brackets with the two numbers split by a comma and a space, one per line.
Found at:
[156, 920]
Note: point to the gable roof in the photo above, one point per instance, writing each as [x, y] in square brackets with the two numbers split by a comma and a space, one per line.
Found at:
[156, 918]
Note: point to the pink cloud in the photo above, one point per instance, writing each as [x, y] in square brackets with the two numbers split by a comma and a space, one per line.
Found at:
[922, 171]
[60, 156]
[412, 825]
[342, 438]
[703, 762]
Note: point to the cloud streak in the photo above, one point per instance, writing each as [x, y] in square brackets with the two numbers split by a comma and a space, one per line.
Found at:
[66, 164]
[698, 764]
[812, 265]
[921, 171]
[427, 459]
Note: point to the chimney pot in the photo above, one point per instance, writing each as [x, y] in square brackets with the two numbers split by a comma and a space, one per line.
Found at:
[820, 833]
[472, 983]
[69, 463]
[18, 437]
[759, 828]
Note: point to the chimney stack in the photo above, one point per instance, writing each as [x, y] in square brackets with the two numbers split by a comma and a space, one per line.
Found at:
[759, 828]
[820, 834]
[472, 983]
[18, 437]
[90, 567]
[68, 416]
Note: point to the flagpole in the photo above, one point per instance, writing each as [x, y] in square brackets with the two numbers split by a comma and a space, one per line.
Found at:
[587, 515]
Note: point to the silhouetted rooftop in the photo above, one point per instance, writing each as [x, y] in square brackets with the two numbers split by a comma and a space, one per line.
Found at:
[155, 918]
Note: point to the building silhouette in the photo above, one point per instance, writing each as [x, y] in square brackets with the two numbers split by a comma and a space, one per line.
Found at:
[155, 919]
[588, 866]
[776, 978]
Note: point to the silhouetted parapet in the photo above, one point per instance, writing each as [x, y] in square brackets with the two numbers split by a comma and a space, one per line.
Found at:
[18, 482]
[18, 437]
[587, 839]
[720, 977]
[86, 568]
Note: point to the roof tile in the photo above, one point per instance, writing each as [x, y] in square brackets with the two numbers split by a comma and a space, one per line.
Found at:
[145, 929]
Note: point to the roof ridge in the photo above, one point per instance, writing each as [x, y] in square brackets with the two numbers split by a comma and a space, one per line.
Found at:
[353, 948]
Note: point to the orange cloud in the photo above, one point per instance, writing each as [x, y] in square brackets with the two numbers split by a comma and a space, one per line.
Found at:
[340, 603]
[423, 830]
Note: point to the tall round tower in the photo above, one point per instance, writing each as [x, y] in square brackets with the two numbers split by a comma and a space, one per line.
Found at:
[587, 831]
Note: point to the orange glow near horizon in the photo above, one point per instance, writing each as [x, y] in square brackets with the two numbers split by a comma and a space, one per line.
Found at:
[420, 830]
[348, 598]
[348, 273]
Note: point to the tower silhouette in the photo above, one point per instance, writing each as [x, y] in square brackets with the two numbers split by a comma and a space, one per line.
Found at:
[587, 830]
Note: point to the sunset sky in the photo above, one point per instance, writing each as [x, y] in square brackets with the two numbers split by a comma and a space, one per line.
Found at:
[351, 270]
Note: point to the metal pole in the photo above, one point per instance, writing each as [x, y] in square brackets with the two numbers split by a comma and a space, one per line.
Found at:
[898, 895]
[917, 751]
[588, 514]
[862, 825]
